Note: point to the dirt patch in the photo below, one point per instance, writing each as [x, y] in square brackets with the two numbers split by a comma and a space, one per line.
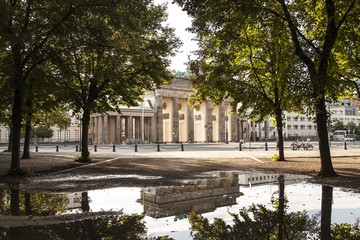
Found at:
[144, 171]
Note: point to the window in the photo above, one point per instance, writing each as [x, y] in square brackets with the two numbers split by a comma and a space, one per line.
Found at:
[67, 136]
[295, 118]
[309, 127]
[7, 135]
[302, 126]
[302, 119]
[289, 118]
[76, 133]
[58, 137]
[295, 126]
[309, 119]
[289, 127]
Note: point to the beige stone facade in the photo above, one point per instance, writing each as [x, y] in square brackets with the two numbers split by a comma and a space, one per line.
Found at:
[165, 116]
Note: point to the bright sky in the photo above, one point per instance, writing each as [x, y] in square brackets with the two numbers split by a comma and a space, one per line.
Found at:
[180, 21]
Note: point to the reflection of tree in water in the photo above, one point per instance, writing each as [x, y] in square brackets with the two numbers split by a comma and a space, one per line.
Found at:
[257, 222]
[16, 202]
[109, 227]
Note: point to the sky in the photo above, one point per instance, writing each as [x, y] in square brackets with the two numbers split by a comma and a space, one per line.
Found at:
[179, 20]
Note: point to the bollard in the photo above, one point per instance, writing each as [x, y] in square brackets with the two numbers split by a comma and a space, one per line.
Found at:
[114, 148]
[57, 148]
[95, 148]
[266, 146]
[345, 148]
[158, 147]
[135, 147]
[36, 148]
[240, 144]
[76, 148]
[182, 147]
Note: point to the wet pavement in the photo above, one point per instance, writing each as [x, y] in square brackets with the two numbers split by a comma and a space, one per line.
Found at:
[164, 210]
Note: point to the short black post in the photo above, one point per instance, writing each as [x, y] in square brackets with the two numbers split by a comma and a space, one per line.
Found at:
[57, 148]
[135, 147]
[95, 148]
[345, 148]
[158, 147]
[114, 148]
[240, 146]
[182, 147]
[266, 146]
[76, 148]
[36, 148]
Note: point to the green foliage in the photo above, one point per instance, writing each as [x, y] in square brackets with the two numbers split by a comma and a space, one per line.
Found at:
[255, 222]
[180, 74]
[345, 231]
[275, 157]
[80, 158]
[43, 132]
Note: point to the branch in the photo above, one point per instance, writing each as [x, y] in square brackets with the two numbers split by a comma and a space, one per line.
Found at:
[294, 36]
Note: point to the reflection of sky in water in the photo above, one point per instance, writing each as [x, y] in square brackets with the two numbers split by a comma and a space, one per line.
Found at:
[301, 196]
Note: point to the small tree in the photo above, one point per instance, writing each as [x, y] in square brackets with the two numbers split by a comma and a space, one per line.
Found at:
[43, 132]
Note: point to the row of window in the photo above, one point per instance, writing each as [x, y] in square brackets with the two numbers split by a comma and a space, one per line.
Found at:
[67, 136]
[302, 119]
[303, 127]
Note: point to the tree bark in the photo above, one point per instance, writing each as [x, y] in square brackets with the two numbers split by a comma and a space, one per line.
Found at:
[281, 210]
[85, 135]
[16, 123]
[279, 127]
[326, 169]
[17, 109]
[326, 209]
[26, 151]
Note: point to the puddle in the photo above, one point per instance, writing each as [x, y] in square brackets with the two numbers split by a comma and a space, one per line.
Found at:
[96, 177]
[165, 210]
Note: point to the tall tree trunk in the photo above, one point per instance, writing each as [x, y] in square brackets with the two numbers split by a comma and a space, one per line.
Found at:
[26, 151]
[326, 169]
[15, 201]
[326, 208]
[85, 135]
[16, 119]
[16, 123]
[279, 127]
[281, 210]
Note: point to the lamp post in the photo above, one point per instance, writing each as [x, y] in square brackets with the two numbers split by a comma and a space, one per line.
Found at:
[226, 126]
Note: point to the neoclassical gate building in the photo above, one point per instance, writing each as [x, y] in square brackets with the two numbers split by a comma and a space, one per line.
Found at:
[165, 116]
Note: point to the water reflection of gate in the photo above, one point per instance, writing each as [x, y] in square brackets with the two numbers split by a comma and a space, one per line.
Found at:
[201, 195]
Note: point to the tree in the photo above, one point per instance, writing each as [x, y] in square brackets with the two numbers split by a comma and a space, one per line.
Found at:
[118, 52]
[257, 222]
[314, 28]
[26, 30]
[43, 132]
[249, 66]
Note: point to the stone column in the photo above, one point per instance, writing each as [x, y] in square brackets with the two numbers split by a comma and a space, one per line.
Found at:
[153, 130]
[266, 123]
[118, 130]
[208, 120]
[175, 119]
[130, 128]
[105, 130]
[253, 135]
[91, 138]
[113, 129]
[190, 123]
[260, 131]
[221, 122]
[159, 118]
[234, 127]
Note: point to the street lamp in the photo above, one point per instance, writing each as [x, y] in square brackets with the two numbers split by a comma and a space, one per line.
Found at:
[226, 126]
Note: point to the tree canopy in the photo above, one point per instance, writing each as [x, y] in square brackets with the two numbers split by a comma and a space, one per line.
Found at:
[313, 29]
